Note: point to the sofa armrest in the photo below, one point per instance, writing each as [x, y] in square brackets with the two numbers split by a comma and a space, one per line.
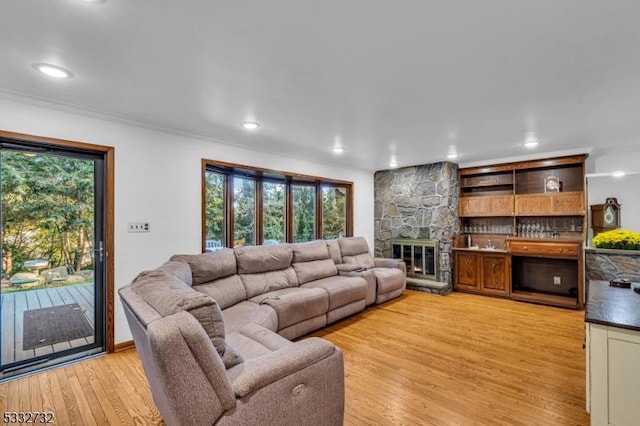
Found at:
[382, 262]
[259, 372]
[348, 267]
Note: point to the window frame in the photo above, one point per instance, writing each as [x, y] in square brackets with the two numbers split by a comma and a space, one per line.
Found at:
[261, 175]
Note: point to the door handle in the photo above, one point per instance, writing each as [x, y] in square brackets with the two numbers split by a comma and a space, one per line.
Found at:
[100, 251]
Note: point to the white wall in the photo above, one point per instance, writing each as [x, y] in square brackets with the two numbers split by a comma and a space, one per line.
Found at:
[157, 179]
[626, 189]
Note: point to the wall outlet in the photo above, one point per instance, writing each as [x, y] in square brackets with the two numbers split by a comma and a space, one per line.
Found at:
[138, 227]
[557, 280]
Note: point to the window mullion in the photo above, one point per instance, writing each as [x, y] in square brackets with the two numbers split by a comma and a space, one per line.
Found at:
[318, 212]
[259, 219]
[229, 210]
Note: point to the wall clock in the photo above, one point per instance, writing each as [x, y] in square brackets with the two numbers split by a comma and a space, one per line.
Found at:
[605, 217]
[552, 184]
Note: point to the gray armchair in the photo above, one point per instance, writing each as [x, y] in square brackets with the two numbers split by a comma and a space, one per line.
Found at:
[390, 274]
[199, 376]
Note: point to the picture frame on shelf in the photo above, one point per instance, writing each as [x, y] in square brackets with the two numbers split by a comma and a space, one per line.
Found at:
[552, 184]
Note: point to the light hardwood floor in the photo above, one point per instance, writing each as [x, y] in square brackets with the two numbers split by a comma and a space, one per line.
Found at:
[459, 359]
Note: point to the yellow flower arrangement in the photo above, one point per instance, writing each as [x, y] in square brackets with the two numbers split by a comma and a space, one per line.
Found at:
[620, 239]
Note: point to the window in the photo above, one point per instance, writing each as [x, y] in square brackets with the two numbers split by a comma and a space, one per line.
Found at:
[334, 211]
[244, 211]
[304, 212]
[214, 185]
[273, 212]
[246, 206]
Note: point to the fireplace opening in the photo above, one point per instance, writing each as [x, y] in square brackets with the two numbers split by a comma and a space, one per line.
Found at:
[420, 256]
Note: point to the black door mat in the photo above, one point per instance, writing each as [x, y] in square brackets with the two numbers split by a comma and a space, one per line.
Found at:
[48, 326]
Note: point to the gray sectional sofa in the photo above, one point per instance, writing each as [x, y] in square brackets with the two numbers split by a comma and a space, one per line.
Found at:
[214, 330]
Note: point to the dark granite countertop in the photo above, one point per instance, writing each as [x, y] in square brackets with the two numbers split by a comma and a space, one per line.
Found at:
[613, 306]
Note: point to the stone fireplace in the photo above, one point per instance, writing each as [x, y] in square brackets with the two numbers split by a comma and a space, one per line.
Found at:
[419, 203]
[420, 256]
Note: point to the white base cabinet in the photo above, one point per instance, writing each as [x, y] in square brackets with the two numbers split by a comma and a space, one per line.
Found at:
[613, 375]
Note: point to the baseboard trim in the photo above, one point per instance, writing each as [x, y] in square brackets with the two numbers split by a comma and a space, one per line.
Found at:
[129, 344]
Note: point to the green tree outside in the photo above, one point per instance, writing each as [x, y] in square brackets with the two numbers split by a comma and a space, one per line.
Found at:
[47, 210]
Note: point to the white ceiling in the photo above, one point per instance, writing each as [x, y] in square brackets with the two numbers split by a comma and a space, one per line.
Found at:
[409, 77]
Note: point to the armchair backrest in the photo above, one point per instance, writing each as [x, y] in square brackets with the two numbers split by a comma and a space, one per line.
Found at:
[356, 250]
[187, 377]
[311, 261]
[265, 268]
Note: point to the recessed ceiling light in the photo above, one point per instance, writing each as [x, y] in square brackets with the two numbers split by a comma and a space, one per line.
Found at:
[618, 173]
[53, 70]
[250, 125]
[531, 141]
[338, 149]
[393, 164]
[452, 155]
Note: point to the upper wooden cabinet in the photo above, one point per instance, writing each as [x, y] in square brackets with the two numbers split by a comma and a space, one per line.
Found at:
[501, 205]
[560, 204]
[517, 191]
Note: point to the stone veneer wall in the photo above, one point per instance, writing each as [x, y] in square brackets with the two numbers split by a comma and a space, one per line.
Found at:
[418, 202]
[607, 264]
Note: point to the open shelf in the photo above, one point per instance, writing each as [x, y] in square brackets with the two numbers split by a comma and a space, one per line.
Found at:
[545, 298]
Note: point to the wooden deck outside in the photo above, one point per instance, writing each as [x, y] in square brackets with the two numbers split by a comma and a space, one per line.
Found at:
[14, 305]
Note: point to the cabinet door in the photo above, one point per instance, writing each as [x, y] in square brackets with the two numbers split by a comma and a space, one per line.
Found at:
[495, 277]
[501, 205]
[550, 204]
[615, 376]
[467, 271]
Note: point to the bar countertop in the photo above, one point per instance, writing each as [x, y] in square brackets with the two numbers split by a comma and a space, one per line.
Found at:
[612, 306]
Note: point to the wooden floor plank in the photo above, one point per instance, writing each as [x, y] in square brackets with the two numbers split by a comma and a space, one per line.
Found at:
[459, 359]
[13, 307]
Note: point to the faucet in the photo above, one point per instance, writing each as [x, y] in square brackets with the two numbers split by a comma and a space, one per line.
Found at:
[489, 244]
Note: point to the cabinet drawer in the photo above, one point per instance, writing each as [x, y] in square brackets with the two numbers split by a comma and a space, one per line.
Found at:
[545, 249]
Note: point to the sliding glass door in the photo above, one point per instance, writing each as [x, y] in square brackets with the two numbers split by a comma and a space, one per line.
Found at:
[53, 255]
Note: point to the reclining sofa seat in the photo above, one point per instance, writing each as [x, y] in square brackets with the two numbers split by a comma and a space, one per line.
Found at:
[315, 269]
[270, 279]
[199, 374]
[215, 274]
[390, 274]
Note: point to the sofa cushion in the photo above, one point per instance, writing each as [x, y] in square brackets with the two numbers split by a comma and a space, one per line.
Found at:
[253, 341]
[351, 246]
[249, 313]
[311, 261]
[334, 251]
[364, 259]
[226, 291]
[356, 250]
[264, 282]
[388, 279]
[294, 305]
[341, 290]
[255, 259]
[314, 270]
[167, 295]
[178, 269]
[209, 266]
[311, 250]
